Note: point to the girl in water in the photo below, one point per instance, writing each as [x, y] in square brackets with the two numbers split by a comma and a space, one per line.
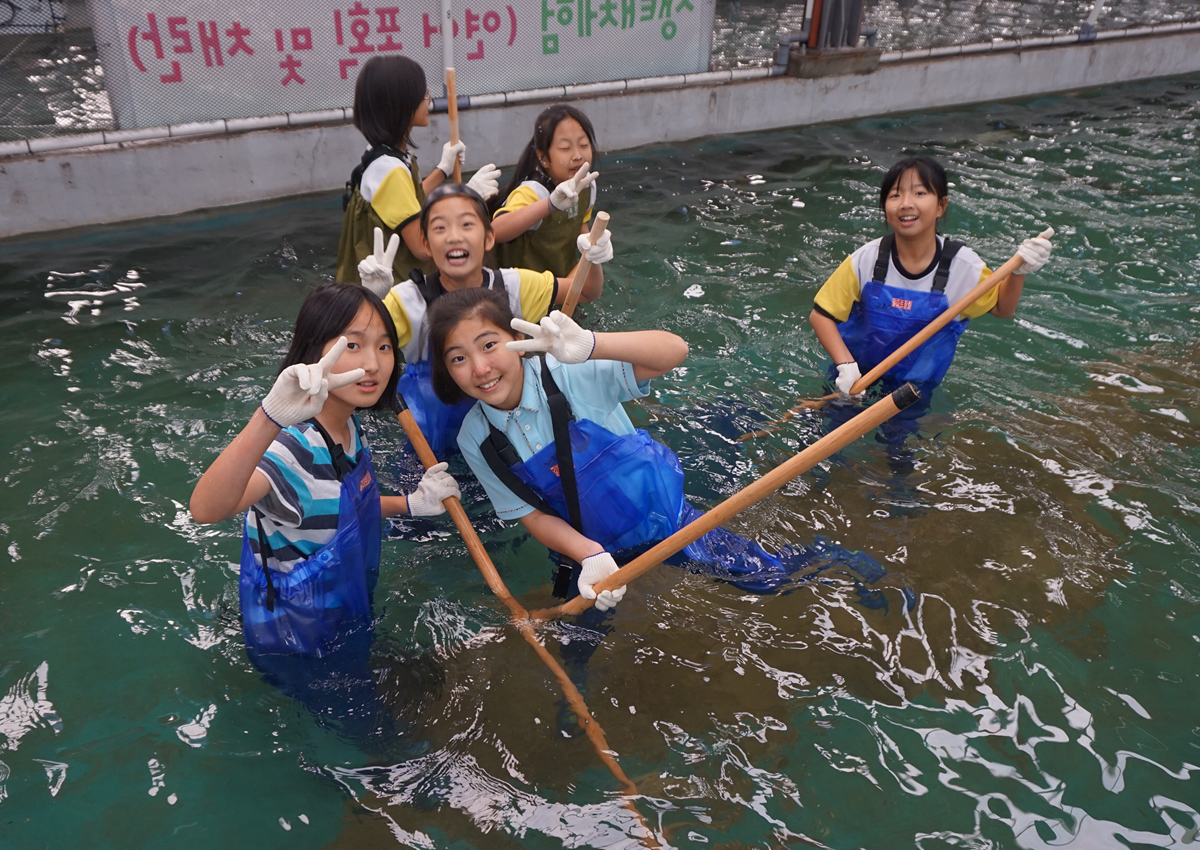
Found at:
[549, 201]
[890, 288]
[301, 471]
[386, 190]
[555, 450]
[456, 233]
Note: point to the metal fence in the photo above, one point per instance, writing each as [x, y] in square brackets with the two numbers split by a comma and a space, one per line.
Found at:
[52, 83]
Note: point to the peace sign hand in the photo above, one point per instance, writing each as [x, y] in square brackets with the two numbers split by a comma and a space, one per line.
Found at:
[301, 389]
[375, 271]
[566, 193]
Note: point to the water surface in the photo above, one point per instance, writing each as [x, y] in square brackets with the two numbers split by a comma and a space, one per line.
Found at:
[1024, 676]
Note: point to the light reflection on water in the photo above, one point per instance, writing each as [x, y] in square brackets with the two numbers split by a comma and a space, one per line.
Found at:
[1023, 676]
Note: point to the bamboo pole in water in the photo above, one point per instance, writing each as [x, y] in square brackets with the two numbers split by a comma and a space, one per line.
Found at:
[524, 625]
[832, 442]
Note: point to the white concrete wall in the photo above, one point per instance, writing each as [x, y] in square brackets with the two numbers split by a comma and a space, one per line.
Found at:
[120, 182]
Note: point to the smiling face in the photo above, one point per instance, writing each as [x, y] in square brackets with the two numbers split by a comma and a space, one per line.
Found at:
[480, 364]
[912, 208]
[570, 148]
[370, 349]
[458, 240]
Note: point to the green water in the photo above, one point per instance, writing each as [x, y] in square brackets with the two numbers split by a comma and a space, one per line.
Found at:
[1041, 691]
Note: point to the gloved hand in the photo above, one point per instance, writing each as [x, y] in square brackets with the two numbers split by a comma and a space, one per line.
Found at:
[558, 335]
[566, 193]
[436, 485]
[301, 389]
[375, 271]
[847, 374]
[596, 567]
[1035, 252]
[599, 253]
[486, 181]
[451, 152]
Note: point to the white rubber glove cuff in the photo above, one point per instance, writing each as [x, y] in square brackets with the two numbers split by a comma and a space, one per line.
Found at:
[597, 567]
[435, 487]
[599, 253]
[1035, 252]
[485, 181]
[848, 374]
[450, 153]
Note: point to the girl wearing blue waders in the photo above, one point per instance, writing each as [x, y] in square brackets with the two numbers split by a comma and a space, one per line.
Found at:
[301, 471]
[386, 190]
[889, 289]
[548, 203]
[456, 233]
[554, 448]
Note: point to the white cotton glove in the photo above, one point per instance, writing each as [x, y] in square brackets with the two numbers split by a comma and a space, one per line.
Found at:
[450, 153]
[301, 389]
[596, 567]
[599, 253]
[848, 374]
[558, 335]
[566, 193]
[436, 486]
[485, 181]
[1035, 252]
[375, 271]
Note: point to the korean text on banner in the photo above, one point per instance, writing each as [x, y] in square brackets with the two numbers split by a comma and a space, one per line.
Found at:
[167, 64]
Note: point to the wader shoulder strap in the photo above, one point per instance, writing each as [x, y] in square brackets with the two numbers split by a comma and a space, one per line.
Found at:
[942, 276]
[560, 418]
[884, 257]
[370, 156]
[500, 456]
[337, 455]
[265, 551]
[430, 285]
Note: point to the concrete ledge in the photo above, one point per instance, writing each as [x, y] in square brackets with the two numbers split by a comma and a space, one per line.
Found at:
[229, 162]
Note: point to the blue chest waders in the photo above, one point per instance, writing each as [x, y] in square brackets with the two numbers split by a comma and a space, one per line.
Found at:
[327, 596]
[626, 493]
[885, 317]
[440, 422]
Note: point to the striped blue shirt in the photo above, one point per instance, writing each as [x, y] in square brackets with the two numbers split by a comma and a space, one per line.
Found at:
[300, 513]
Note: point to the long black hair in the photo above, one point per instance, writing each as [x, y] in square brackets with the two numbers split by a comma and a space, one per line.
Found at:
[529, 166]
[446, 312]
[387, 95]
[325, 314]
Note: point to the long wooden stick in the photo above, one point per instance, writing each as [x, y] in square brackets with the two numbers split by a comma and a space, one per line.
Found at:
[978, 291]
[452, 112]
[585, 265]
[524, 625]
[832, 442]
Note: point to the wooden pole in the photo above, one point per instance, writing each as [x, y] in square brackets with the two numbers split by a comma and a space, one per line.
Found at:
[832, 442]
[524, 625]
[584, 268]
[452, 112]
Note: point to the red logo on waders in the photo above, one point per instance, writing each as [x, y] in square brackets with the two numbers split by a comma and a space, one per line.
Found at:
[365, 483]
[901, 304]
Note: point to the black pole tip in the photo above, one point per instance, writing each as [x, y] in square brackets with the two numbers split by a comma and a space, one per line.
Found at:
[906, 395]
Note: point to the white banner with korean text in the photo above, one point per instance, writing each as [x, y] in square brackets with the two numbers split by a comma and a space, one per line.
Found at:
[197, 60]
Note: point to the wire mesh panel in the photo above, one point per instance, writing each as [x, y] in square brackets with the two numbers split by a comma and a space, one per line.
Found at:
[227, 59]
[23, 17]
[53, 84]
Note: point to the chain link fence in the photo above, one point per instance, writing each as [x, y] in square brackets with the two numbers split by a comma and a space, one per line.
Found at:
[52, 83]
